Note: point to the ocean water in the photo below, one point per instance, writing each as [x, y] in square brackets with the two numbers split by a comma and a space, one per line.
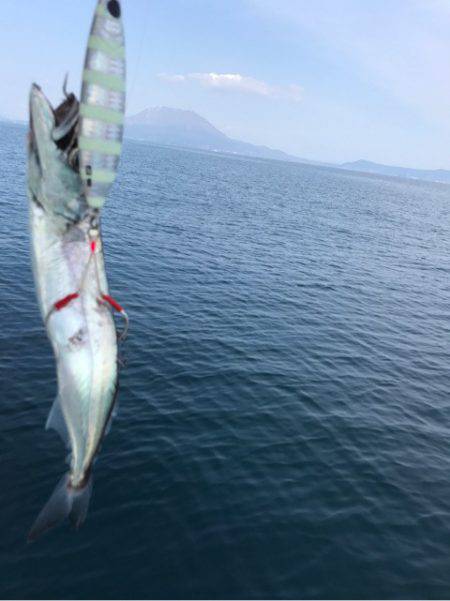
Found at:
[284, 416]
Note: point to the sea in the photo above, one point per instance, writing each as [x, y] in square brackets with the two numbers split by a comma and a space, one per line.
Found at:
[283, 426]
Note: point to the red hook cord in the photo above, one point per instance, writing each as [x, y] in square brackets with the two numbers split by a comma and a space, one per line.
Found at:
[114, 304]
[63, 302]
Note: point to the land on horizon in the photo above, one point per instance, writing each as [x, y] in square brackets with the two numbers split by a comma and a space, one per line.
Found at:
[183, 128]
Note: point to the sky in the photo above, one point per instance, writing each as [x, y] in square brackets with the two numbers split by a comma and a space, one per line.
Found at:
[327, 80]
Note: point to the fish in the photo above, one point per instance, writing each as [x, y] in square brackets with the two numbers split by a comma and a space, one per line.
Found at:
[73, 157]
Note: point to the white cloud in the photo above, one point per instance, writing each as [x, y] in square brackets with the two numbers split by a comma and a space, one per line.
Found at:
[239, 83]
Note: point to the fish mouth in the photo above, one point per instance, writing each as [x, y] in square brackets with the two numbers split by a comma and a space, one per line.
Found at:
[55, 125]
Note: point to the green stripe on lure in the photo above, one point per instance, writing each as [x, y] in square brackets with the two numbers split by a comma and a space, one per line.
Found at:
[101, 114]
[113, 49]
[102, 104]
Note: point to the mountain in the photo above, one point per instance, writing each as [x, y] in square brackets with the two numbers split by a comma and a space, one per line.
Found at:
[434, 175]
[176, 127]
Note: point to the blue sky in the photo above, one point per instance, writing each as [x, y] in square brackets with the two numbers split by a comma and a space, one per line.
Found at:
[331, 80]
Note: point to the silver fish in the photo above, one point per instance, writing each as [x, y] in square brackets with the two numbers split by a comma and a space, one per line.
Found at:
[70, 280]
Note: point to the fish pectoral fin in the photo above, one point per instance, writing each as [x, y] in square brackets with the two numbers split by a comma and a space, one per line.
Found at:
[56, 421]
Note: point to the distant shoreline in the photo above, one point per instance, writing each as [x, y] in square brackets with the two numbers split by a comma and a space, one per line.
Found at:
[361, 167]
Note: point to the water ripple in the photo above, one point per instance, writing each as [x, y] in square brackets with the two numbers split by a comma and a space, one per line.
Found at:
[284, 422]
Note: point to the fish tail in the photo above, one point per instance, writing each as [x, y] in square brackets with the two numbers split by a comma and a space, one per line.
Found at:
[65, 502]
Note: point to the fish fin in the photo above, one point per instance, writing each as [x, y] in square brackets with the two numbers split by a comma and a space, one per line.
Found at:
[54, 511]
[56, 421]
[80, 504]
[64, 502]
[108, 425]
[111, 417]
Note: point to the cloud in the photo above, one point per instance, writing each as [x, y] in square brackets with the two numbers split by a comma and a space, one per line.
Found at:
[239, 83]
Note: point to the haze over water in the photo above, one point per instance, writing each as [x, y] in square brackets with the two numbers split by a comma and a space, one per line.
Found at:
[284, 417]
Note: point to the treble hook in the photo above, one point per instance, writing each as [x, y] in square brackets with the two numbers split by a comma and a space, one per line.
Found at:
[115, 305]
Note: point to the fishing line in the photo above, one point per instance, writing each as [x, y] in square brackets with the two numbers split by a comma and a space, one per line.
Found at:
[139, 55]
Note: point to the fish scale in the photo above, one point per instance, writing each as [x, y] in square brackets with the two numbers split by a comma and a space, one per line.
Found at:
[102, 106]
